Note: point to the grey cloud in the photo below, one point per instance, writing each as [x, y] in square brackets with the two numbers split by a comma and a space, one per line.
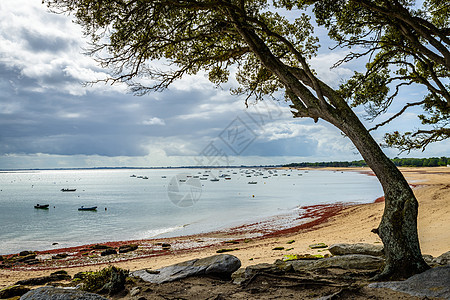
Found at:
[38, 42]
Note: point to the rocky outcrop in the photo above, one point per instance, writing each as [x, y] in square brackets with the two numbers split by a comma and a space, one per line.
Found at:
[359, 248]
[108, 251]
[23, 258]
[434, 282]
[13, 291]
[127, 248]
[243, 274]
[347, 262]
[55, 276]
[222, 265]
[52, 293]
[353, 261]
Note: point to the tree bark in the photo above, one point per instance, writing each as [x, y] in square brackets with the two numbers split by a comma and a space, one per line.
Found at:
[398, 227]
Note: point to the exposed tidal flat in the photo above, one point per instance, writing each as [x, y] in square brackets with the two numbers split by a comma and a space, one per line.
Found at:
[164, 205]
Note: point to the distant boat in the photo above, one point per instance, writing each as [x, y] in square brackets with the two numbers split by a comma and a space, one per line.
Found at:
[145, 177]
[68, 190]
[88, 208]
[227, 178]
[133, 175]
[252, 182]
[215, 179]
[163, 176]
[41, 206]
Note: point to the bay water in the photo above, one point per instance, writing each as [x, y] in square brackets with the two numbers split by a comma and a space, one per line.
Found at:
[147, 203]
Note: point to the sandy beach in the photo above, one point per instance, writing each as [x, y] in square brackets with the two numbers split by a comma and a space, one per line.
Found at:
[349, 224]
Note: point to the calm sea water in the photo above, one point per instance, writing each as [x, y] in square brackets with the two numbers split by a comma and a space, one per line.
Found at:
[161, 206]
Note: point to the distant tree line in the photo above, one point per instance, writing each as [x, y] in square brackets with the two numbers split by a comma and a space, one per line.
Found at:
[400, 162]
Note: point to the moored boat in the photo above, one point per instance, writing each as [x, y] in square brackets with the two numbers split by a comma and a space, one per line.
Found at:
[88, 208]
[41, 206]
[68, 190]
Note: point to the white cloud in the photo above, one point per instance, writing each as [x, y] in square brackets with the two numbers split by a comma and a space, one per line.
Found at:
[323, 63]
[154, 121]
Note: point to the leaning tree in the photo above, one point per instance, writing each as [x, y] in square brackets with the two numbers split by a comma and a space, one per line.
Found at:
[267, 52]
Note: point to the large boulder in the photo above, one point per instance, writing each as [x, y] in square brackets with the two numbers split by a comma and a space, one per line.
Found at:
[353, 261]
[434, 282]
[222, 265]
[52, 293]
[359, 248]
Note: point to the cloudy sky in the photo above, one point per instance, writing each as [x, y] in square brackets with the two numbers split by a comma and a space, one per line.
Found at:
[49, 119]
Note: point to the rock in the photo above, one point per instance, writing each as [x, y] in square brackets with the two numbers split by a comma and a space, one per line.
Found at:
[283, 265]
[443, 259]
[429, 259]
[434, 282]
[100, 247]
[25, 253]
[52, 293]
[108, 251]
[318, 246]
[56, 276]
[360, 248]
[13, 291]
[60, 256]
[263, 267]
[25, 258]
[226, 250]
[238, 277]
[222, 265]
[135, 291]
[353, 261]
[127, 248]
[242, 274]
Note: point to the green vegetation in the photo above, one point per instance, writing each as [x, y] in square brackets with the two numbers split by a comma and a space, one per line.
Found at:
[399, 162]
[108, 280]
[278, 248]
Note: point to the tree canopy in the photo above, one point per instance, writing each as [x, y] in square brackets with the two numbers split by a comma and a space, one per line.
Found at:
[406, 45]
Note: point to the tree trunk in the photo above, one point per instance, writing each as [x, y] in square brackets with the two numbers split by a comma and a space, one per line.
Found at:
[398, 227]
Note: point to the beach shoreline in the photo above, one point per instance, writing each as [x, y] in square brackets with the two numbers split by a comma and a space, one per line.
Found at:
[254, 243]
